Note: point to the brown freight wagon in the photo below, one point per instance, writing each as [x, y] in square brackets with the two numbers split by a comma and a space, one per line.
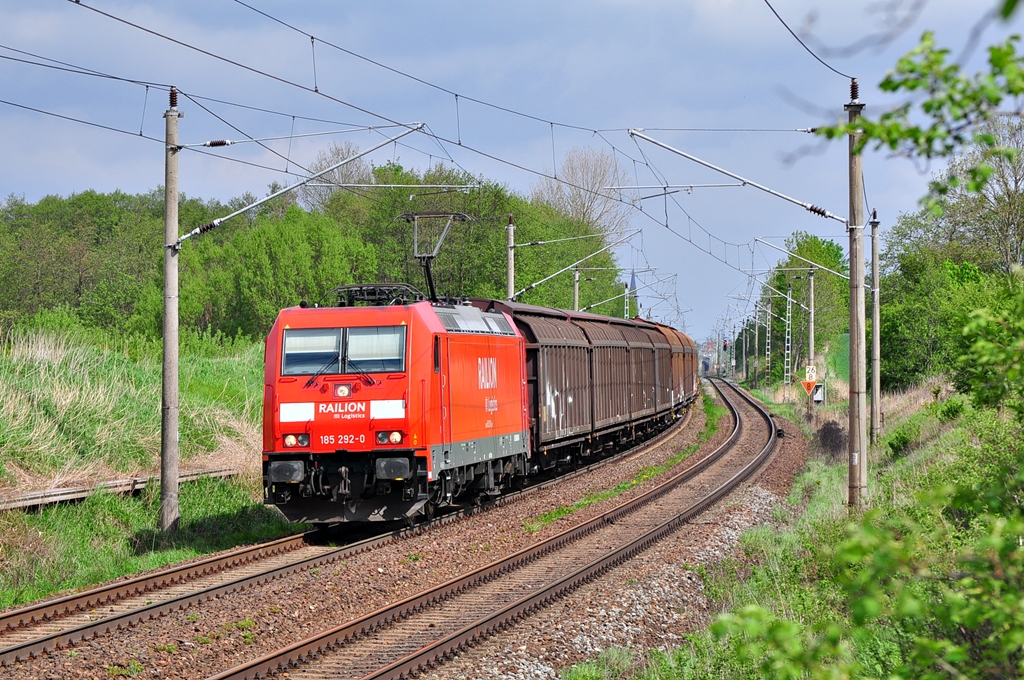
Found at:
[593, 380]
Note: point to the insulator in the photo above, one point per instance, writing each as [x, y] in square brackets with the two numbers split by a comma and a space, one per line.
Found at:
[174, 97]
[854, 90]
[817, 211]
[207, 227]
[217, 142]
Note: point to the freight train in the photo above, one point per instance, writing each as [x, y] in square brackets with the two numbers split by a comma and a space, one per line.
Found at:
[389, 406]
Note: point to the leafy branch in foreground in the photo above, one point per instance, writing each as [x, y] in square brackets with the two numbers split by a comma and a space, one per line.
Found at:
[955, 109]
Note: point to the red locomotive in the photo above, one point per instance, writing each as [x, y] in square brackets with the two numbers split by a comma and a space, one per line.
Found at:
[390, 406]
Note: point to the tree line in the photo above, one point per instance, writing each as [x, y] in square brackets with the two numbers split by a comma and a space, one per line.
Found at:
[100, 255]
[937, 267]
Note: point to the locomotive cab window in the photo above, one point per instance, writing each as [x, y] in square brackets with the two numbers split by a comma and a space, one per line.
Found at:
[334, 351]
[311, 350]
[378, 348]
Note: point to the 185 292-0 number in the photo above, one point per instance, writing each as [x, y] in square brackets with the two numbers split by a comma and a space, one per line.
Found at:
[343, 439]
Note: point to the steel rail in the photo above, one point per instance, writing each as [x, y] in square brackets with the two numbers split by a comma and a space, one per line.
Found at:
[140, 585]
[145, 584]
[437, 653]
[310, 648]
[35, 499]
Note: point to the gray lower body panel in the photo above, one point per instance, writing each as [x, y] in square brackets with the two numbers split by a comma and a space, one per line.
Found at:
[461, 454]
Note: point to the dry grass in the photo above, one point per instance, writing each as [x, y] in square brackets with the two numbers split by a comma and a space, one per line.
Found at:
[24, 552]
[74, 414]
[902, 404]
[242, 451]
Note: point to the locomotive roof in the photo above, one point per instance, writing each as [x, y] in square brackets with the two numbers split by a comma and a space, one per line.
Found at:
[465, 319]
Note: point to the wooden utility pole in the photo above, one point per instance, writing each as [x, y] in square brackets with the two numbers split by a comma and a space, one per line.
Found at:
[858, 368]
[876, 337]
[169, 517]
[510, 231]
[576, 289]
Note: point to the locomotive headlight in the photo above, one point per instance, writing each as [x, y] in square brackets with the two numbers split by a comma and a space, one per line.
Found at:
[389, 437]
[303, 440]
[343, 390]
[290, 440]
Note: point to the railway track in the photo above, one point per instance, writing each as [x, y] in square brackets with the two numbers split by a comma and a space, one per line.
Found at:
[38, 499]
[414, 635]
[45, 627]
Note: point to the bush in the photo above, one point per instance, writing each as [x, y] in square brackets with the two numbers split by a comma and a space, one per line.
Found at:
[951, 409]
[902, 438]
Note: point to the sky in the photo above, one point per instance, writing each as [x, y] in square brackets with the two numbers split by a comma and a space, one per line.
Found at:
[505, 90]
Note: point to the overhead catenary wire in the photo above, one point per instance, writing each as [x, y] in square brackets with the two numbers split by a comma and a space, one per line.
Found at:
[475, 100]
[81, 71]
[232, 62]
[133, 134]
[232, 142]
[803, 44]
[435, 137]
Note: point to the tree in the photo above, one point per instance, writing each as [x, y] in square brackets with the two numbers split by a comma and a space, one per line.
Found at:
[316, 195]
[992, 216]
[580, 190]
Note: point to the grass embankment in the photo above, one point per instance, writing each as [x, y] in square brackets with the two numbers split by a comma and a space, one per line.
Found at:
[712, 414]
[923, 573]
[78, 406]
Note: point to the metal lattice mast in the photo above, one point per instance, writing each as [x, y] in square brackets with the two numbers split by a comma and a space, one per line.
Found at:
[757, 320]
[788, 365]
[768, 347]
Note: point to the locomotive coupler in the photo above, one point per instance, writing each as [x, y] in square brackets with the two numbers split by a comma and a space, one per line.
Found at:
[343, 491]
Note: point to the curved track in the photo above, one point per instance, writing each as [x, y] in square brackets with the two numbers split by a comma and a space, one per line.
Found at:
[44, 627]
[414, 635]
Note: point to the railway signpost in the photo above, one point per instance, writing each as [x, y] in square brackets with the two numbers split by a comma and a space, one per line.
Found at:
[811, 379]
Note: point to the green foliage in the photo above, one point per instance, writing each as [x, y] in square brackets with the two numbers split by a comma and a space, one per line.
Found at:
[831, 301]
[994, 365]
[902, 438]
[107, 536]
[611, 664]
[927, 302]
[926, 586]
[101, 255]
[955, 106]
[948, 410]
[130, 668]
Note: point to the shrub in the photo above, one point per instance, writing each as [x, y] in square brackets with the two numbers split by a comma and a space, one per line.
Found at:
[902, 438]
[951, 409]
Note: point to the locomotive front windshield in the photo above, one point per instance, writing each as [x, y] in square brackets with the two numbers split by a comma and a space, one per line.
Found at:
[325, 351]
